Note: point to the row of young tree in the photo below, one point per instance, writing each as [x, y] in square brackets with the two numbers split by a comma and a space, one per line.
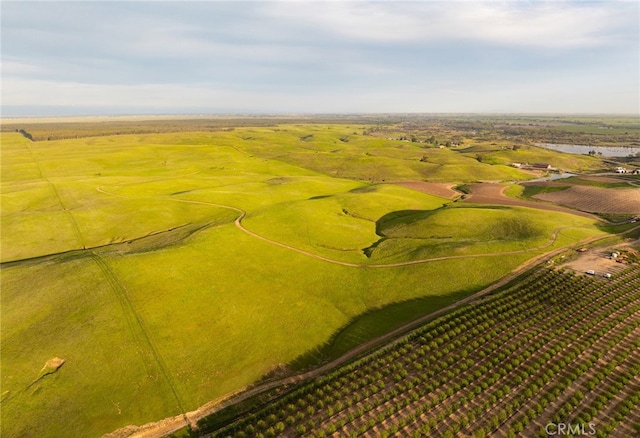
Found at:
[555, 348]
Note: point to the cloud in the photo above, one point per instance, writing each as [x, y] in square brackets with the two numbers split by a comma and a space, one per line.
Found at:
[19, 68]
[326, 57]
[552, 94]
[512, 23]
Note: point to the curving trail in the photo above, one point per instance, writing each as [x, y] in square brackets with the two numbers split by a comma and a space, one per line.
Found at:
[243, 213]
[190, 419]
[172, 424]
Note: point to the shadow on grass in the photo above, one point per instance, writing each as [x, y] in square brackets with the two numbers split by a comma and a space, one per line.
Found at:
[358, 331]
[620, 228]
[372, 324]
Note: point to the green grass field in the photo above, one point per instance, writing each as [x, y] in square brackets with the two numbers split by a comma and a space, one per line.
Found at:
[120, 255]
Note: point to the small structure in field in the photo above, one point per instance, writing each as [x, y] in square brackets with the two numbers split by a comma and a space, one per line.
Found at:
[543, 166]
[636, 172]
[534, 166]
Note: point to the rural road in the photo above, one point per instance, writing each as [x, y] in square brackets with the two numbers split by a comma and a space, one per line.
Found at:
[240, 226]
[172, 424]
[169, 425]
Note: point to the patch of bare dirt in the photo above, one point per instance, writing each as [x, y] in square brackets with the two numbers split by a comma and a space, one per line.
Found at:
[597, 260]
[52, 365]
[491, 193]
[596, 199]
[601, 260]
[443, 190]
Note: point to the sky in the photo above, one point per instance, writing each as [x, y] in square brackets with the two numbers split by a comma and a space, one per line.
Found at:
[302, 57]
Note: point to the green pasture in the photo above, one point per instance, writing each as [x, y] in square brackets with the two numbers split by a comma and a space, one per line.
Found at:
[529, 191]
[159, 303]
[533, 154]
[338, 226]
[594, 183]
[67, 309]
[220, 310]
[373, 159]
[468, 230]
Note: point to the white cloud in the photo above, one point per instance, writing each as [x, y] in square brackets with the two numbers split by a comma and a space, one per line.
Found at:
[24, 92]
[16, 68]
[549, 95]
[510, 23]
[324, 57]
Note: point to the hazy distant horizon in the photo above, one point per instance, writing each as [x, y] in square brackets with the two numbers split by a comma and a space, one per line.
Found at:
[175, 116]
[269, 57]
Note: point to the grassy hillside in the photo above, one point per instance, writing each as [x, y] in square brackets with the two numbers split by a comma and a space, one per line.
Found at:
[121, 255]
[495, 367]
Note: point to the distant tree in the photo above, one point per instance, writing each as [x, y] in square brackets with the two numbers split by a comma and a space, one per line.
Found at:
[25, 134]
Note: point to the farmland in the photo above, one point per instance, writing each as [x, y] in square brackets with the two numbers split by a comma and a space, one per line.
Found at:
[170, 269]
[597, 199]
[519, 362]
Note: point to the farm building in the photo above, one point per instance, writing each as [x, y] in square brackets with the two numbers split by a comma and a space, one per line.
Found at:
[541, 166]
[636, 172]
[537, 166]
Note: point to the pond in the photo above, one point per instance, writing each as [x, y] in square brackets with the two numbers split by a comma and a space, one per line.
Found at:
[553, 177]
[607, 151]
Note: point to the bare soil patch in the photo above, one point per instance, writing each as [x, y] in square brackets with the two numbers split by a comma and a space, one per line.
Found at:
[491, 193]
[444, 190]
[596, 199]
[52, 365]
[600, 259]
[597, 260]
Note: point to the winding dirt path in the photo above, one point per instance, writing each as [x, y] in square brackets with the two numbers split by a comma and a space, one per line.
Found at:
[172, 424]
[240, 226]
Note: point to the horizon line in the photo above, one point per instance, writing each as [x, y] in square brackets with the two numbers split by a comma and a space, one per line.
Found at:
[141, 116]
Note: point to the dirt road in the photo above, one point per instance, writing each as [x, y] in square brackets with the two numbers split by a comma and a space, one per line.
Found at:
[169, 425]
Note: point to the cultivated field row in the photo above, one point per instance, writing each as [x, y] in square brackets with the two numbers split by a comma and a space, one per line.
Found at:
[557, 348]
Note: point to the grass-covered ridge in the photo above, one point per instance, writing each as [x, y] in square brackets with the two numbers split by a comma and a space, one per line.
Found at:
[126, 257]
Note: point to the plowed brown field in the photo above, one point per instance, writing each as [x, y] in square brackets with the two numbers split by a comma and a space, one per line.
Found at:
[490, 193]
[596, 200]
